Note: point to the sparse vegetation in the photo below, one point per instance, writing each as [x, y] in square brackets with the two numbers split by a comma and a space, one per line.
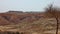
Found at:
[32, 23]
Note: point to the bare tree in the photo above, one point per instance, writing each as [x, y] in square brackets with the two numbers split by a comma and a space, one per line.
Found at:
[53, 13]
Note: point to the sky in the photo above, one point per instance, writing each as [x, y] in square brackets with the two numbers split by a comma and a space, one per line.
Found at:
[26, 5]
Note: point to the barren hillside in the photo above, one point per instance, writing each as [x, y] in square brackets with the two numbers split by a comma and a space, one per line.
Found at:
[31, 23]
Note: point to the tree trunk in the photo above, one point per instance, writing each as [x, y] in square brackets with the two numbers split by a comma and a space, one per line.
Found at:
[57, 25]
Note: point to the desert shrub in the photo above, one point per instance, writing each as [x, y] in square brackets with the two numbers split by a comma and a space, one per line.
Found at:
[8, 32]
[17, 33]
[13, 32]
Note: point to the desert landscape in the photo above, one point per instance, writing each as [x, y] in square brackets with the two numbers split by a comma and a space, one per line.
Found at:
[15, 22]
[29, 16]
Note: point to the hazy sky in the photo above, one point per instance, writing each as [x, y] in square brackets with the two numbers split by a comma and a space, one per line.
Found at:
[25, 5]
